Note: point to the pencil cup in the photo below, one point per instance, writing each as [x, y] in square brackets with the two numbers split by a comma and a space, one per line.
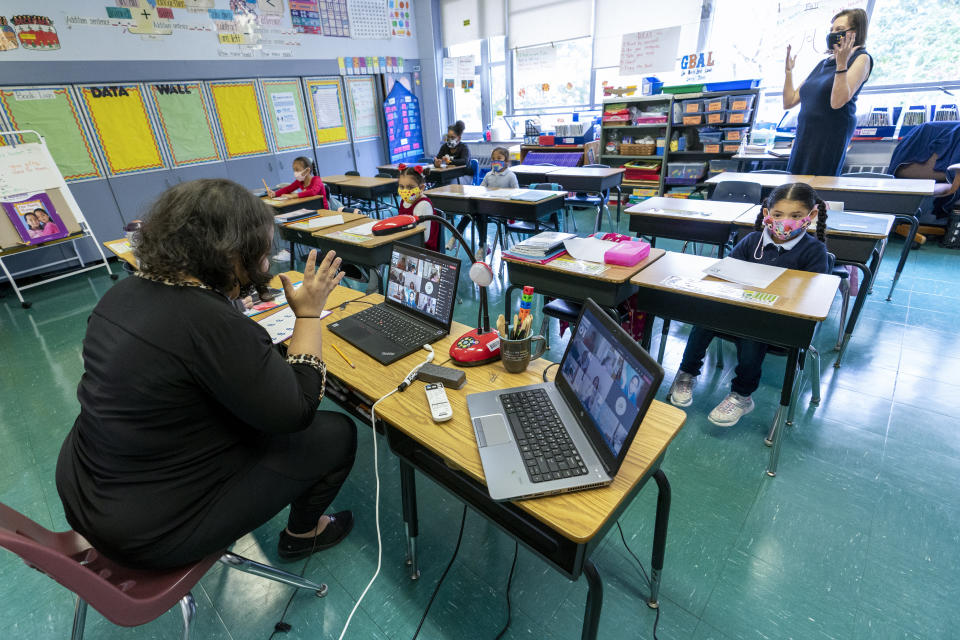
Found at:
[516, 355]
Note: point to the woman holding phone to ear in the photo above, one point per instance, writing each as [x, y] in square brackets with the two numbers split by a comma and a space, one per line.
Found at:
[828, 97]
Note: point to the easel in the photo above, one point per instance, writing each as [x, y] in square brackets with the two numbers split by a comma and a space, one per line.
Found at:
[84, 232]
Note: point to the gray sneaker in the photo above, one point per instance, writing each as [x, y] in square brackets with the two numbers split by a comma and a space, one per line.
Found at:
[729, 412]
[681, 391]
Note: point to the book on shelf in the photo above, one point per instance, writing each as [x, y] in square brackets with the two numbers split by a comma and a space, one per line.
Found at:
[540, 245]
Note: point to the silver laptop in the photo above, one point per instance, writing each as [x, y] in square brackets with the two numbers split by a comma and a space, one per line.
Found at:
[573, 433]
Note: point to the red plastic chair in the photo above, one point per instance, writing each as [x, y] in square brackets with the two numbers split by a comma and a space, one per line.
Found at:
[126, 597]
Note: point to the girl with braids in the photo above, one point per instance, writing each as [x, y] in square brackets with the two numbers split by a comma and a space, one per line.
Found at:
[780, 240]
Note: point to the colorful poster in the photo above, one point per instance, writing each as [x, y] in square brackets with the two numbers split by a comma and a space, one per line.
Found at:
[404, 130]
[305, 16]
[334, 18]
[36, 32]
[35, 219]
[449, 73]
[238, 111]
[121, 125]
[401, 18]
[368, 19]
[363, 110]
[8, 37]
[52, 112]
[288, 120]
[327, 110]
[185, 122]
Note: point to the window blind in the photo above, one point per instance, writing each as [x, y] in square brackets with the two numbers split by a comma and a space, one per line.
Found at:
[468, 20]
[541, 21]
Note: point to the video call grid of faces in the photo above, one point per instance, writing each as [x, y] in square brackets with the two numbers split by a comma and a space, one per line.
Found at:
[414, 282]
[608, 386]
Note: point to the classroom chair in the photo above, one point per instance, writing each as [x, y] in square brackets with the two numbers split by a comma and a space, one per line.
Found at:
[126, 597]
[475, 170]
[737, 191]
[781, 171]
[591, 200]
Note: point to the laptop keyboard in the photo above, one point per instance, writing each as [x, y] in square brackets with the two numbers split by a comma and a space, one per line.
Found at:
[394, 326]
[546, 447]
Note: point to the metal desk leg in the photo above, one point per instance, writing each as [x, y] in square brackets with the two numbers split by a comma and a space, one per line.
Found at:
[293, 256]
[659, 536]
[858, 303]
[619, 205]
[591, 614]
[664, 332]
[506, 301]
[408, 492]
[914, 223]
[786, 392]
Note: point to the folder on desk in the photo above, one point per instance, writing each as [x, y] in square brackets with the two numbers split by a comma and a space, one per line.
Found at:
[533, 195]
[750, 274]
[845, 221]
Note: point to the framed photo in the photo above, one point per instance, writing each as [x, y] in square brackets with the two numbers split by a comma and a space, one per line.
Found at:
[35, 219]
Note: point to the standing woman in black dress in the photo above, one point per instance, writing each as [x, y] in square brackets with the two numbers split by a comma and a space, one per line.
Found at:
[828, 98]
[193, 428]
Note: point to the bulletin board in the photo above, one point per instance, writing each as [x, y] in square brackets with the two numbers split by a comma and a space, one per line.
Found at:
[327, 110]
[185, 121]
[362, 95]
[404, 129]
[54, 113]
[241, 123]
[121, 126]
[286, 113]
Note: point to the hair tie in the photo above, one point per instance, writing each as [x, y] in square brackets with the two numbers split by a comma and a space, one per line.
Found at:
[402, 167]
[418, 169]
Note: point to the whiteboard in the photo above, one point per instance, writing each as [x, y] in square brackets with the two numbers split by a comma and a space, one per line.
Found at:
[25, 168]
[649, 51]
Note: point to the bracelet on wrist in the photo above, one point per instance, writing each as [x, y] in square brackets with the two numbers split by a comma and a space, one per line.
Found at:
[839, 71]
[308, 317]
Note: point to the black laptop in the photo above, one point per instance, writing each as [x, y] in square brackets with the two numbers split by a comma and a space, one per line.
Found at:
[421, 291]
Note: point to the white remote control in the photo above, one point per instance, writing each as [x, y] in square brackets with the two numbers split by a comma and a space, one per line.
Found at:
[439, 405]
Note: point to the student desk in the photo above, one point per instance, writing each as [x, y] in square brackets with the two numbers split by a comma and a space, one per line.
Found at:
[433, 174]
[481, 203]
[609, 286]
[363, 188]
[528, 174]
[563, 530]
[769, 181]
[805, 300]
[898, 197]
[366, 251]
[707, 221]
[285, 205]
[857, 239]
[122, 249]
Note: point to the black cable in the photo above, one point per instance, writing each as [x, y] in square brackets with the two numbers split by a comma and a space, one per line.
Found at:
[656, 620]
[344, 305]
[516, 550]
[552, 364]
[456, 550]
[281, 626]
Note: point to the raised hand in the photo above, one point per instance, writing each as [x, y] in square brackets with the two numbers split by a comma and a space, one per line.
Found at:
[319, 280]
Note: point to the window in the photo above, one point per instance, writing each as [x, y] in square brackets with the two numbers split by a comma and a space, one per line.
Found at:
[498, 91]
[466, 101]
[910, 42]
[552, 75]
[498, 47]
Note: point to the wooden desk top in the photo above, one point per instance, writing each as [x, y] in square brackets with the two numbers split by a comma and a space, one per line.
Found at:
[122, 249]
[764, 179]
[348, 216]
[685, 209]
[802, 294]
[338, 296]
[613, 273]
[533, 168]
[468, 191]
[903, 186]
[281, 203]
[337, 179]
[765, 155]
[585, 172]
[885, 221]
[364, 181]
[373, 241]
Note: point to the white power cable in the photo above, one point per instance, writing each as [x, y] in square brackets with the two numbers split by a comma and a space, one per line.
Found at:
[376, 472]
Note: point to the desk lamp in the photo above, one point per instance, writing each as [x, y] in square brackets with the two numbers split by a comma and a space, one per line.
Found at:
[477, 346]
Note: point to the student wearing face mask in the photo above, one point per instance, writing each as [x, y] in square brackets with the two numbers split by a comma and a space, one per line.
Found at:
[828, 97]
[306, 183]
[499, 177]
[453, 151]
[780, 240]
[413, 202]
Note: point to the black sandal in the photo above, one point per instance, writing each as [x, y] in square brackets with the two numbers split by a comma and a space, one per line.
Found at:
[292, 548]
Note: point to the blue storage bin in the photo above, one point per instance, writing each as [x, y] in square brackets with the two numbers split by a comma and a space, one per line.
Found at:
[733, 85]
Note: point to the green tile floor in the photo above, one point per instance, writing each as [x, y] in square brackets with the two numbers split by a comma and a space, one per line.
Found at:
[856, 538]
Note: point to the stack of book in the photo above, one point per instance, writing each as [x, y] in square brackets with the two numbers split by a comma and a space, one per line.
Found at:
[540, 248]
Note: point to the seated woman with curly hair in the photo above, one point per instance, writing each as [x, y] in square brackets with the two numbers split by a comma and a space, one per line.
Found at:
[193, 428]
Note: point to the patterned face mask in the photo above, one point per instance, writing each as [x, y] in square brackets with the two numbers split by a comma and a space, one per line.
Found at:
[787, 229]
[409, 195]
[498, 165]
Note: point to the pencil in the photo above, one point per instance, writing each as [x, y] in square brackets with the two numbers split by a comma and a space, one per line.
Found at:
[343, 356]
[264, 184]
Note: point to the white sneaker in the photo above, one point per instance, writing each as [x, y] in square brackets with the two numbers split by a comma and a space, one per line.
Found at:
[681, 391]
[451, 244]
[729, 412]
[283, 256]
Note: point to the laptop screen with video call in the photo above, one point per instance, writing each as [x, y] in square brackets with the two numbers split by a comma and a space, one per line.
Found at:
[604, 370]
[423, 282]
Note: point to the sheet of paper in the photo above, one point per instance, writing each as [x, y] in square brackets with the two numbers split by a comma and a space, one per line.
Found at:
[720, 290]
[317, 223]
[505, 194]
[280, 324]
[590, 249]
[349, 236]
[749, 274]
[363, 229]
[326, 102]
[577, 266]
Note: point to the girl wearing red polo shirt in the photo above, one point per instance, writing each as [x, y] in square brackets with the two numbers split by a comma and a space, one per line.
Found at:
[306, 183]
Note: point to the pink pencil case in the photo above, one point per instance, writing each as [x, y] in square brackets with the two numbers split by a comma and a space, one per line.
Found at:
[627, 254]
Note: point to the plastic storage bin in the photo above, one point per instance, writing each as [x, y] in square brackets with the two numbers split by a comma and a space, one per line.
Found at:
[733, 85]
[692, 120]
[711, 147]
[691, 106]
[716, 117]
[735, 135]
[731, 147]
[685, 173]
[739, 117]
[719, 166]
[740, 103]
[709, 134]
[684, 88]
[715, 104]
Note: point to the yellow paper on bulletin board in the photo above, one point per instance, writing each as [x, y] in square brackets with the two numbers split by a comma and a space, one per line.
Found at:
[122, 127]
[327, 110]
[239, 113]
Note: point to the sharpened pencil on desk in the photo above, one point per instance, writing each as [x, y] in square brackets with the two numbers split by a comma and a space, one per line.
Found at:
[342, 355]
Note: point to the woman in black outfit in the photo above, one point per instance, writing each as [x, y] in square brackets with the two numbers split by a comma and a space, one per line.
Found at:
[193, 428]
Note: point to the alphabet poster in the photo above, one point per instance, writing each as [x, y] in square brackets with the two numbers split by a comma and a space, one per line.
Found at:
[238, 110]
[53, 113]
[122, 126]
[286, 113]
[185, 122]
